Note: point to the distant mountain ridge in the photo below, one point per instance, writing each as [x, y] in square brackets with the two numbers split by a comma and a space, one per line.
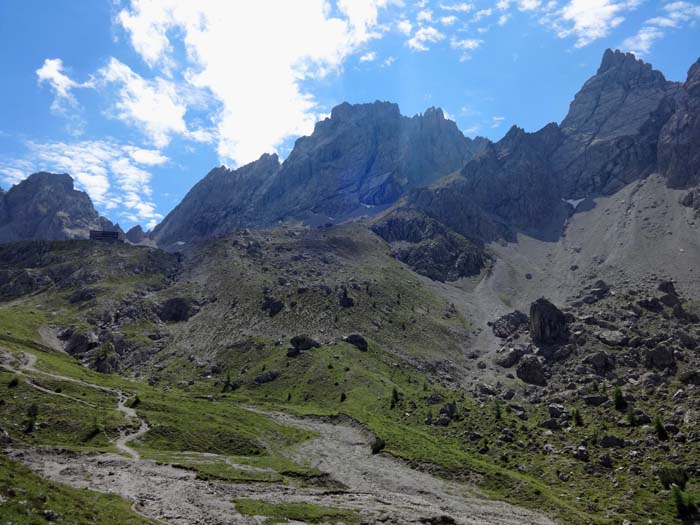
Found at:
[625, 123]
[45, 206]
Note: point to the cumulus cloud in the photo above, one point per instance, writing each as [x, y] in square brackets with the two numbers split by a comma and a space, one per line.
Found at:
[114, 175]
[423, 37]
[448, 20]
[252, 63]
[405, 27]
[426, 15]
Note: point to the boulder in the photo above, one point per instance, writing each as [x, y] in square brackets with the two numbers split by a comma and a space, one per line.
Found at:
[668, 287]
[660, 357]
[272, 306]
[601, 361]
[547, 323]
[510, 323]
[531, 371]
[357, 341]
[266, 377]
[304, 342]
[612, 442]
[612, 337]
[509, 358]
[176, 310]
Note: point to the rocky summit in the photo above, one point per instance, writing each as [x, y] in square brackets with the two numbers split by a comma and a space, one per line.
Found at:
[46, 206]
[393, 324]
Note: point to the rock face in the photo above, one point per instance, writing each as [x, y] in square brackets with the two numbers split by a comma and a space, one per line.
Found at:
[362, 158]
[679, 143]
[45, 206]
[613, 125]
[547, 323]
[217, 203]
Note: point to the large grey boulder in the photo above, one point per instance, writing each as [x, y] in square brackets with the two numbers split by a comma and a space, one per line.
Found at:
[547, 323]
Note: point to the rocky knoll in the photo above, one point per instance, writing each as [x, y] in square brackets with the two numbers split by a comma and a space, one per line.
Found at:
[363, 157]
[46, 206]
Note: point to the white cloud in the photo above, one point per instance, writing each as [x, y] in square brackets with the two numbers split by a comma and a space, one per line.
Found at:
[370, 56]
[52, 72]
[153, 106]
[589, 20]
[640, 44]
[503, 20]
[388, 61]
[465, 45]
[528, 5]
[112, 174]
[496, 122]
[253, 57]
[423, 37]
[675, 15]
[448, 20]
[462, 7]
[482, 13]
[405, 27]
[426, 15]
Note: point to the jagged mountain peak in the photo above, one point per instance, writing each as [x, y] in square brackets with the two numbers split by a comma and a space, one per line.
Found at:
[47, 206]
[623, 64]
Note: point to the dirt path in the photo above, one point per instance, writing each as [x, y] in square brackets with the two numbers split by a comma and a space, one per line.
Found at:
[380, 488]
[125, 438]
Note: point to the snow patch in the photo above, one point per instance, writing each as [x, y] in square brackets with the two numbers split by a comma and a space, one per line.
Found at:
[574, 202]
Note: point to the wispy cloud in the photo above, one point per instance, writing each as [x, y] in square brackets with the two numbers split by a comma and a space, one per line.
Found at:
[588, 20]
[466, 46]
[674, 15]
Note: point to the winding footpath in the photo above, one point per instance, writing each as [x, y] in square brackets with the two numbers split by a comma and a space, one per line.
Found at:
[379, 487]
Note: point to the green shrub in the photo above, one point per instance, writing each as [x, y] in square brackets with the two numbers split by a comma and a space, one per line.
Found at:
[32, 413]
[395, 397]
[686, 508]
[619, 399]
[673, 476]
[660, 429]
[578, 419]
[14, 382]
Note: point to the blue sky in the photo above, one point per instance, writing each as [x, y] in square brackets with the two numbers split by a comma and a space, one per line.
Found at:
[139, 99]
